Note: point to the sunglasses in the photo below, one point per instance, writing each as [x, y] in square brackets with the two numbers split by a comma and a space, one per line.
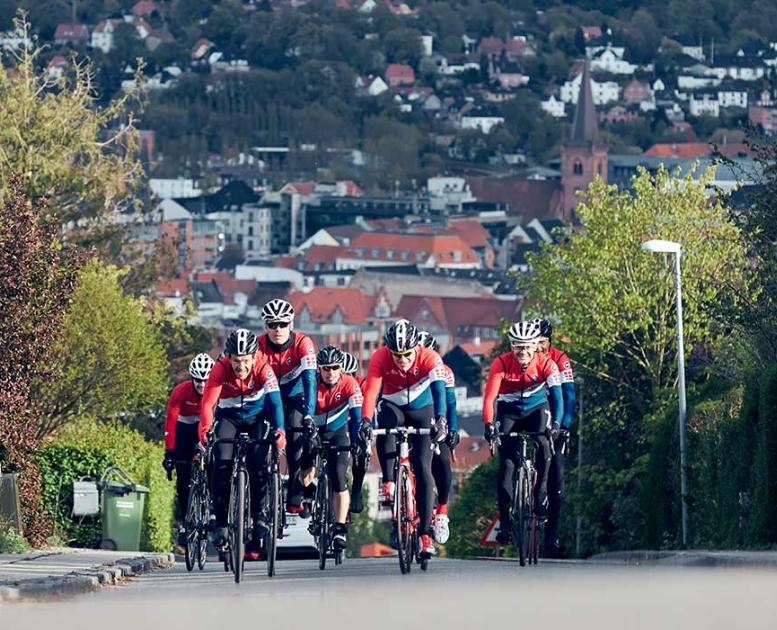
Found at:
[406, 353]
[275, 325]
[330, 368]
[523, 348]
[199, 381]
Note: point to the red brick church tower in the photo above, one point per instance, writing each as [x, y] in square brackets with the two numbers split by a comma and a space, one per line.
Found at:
[583, 156]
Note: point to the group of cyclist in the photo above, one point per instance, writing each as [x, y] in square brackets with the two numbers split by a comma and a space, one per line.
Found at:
[278, 387]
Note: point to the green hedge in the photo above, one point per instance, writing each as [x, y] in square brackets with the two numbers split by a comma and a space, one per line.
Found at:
[732, 456]
[472, 512]
[88, 447]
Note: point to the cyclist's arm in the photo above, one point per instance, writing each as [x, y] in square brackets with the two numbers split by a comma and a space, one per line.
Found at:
[210, 398]
[555, 397]
[173, 411]
[372, 388]
[495, 376]
[453, 416]
[308, 376]
[440, 398]
[569, 397]
[276, 408]
[355, 401]
[436, 370]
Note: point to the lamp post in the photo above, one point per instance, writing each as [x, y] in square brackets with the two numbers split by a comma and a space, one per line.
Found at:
[670, 247]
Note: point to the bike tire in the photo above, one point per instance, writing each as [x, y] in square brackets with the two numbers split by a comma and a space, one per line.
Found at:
[190, 525]
[274, 506]
[521, 514]
[237, 524]
[204, 519]
[403, 521]
[322, 514]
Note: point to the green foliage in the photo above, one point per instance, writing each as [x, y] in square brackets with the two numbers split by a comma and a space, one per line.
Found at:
[11, 541]
[764, 515]
[472, 512]
[87, 447]
[110, 359]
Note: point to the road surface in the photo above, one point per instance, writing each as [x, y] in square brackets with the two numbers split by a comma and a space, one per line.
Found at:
[371, 594]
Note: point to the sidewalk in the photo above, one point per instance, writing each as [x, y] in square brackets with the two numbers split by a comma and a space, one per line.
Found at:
[59, 572]
[692, 558]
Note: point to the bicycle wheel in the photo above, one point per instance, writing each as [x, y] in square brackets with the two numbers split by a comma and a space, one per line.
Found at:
[204, 520]
[322, 514]
[191, 528]
[237, 523]
[404, 522]
[273, 504]
[521, 515]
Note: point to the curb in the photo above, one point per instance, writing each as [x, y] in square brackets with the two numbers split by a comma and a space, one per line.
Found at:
[85, 580]
[700, 558]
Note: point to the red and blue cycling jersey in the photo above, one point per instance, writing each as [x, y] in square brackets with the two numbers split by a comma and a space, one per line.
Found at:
[184, 406]
[567, 383]
[241, 399]
[521, 390]
[422, 385]
[339, 404]
[450, 399]
[294, 364]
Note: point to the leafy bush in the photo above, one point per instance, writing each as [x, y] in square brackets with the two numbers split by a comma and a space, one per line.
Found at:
[11, 541]
[88, 447]
[472, 512]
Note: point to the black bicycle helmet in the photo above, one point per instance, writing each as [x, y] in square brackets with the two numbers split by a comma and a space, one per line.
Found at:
[401, 336]
[241, 342]
[546, 329]
[427, 340]
[350, 364]
[329, 355]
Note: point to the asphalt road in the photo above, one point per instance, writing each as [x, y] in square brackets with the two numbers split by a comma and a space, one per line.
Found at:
[371, 594]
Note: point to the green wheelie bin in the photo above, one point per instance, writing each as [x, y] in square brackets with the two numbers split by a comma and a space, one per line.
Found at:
[123, 502]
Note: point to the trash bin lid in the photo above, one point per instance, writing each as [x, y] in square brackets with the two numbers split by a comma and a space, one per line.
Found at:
[122, 488]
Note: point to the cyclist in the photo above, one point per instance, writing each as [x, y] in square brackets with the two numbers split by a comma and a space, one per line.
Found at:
[556, 472]
[245, 389]
[524, 389]
[441, 461]
[292, 357]
[338, 412]
[413, 381]
[183, 416]
[359, 460]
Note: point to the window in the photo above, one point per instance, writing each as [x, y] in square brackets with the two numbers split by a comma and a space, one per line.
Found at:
[375, 252]
[390, 254]
[360, 251]
[404, 254]
[577, 169]
[456, 255]
[250, 230]
[599, 169]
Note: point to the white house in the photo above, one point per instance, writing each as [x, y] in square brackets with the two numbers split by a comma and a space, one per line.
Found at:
[484, 123]
[695, 81]
[695, 50]
[610, 59]
[377, 87]
[448, 193]
[257, 231]
[704, 104]
[732, 97]
[268, 273]
[14, 40]
[554, 107]
[603, 93]
[427, 45]
[102, 35]
[171, 188]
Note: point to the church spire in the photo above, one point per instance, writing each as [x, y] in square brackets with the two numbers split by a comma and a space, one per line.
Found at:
[584, 128]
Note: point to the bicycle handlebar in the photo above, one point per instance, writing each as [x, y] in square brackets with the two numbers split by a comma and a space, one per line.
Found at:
[402, 431]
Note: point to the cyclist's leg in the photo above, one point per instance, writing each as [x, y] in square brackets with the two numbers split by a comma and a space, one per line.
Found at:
[337, 465]
[537, 420]
[507, 461]
[421, 457]
[555, 498]
[441, 470]
[389, 417]
[294, 445]
[358, 470]
[185, 442]
[222, 460]
[256, 461]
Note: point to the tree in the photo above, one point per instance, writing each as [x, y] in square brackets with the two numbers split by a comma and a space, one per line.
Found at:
[37, 276]
[109, 360]
[615, 305]
[79, 156]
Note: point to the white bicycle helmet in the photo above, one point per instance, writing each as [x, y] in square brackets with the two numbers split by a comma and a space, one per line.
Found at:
[350, 364]
[200, 366]
[241, 342]
[427, 340]
[401, 336]
[524, 332]
[278, 311]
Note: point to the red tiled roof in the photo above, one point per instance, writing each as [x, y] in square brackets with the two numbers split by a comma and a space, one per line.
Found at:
[144, 7]
[71, 31]
[322, 303]
[163, 35]
[693, 150]
[400, 72]
[176, 287]
[482, 348]
[352, 189]
[57, 61]
[471, 232]
[456, 314]
[303, 188]
[286, 262]
[207, 276]
[388, 246]
[229, 286]
[515, 47]
[491, 46]
[530, 198]
[322, 257]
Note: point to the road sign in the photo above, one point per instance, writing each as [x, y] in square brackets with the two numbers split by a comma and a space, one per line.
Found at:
[489, 537]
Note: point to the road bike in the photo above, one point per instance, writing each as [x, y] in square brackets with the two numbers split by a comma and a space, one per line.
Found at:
[405, 514]
[526, 527]
[197, 520]
[322, 520]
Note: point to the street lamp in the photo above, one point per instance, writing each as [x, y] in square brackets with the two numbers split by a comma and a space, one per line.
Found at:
[670, 247]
